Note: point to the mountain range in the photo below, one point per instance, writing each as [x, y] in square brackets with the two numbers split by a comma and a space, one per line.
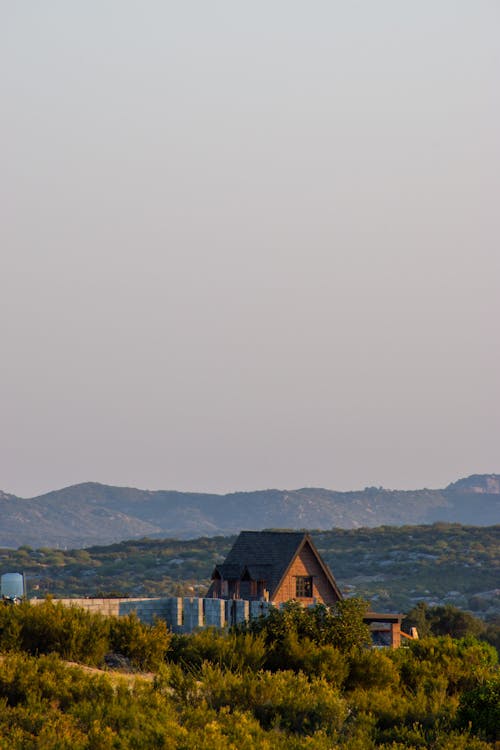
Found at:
[90, 513]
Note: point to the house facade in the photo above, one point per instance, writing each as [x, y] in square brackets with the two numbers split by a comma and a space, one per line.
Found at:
[274, 566]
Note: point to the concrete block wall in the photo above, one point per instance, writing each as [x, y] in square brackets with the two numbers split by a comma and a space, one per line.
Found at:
[189, 614]
[182, 615]
[106, 607]
[147, 609]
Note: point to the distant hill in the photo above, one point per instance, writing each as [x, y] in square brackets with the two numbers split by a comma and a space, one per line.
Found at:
[91, 513]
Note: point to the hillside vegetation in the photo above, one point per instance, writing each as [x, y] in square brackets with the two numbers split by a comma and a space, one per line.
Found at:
[393, 568]
[89, 514]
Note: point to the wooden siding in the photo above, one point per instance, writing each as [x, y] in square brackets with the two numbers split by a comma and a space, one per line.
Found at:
[306, 564]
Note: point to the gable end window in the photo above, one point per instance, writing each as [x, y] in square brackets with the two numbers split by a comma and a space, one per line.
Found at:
[303, 587]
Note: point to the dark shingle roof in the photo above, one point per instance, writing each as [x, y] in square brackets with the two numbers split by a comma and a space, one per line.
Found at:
[265, 554]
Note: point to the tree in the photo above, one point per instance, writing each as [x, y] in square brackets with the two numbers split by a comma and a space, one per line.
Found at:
[443, 620]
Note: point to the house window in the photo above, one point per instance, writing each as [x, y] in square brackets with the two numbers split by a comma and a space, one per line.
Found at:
[303, 587]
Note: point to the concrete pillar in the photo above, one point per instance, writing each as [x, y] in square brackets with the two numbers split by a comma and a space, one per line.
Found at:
[192, 614]
[172, 613]
[237, 611]
[147, 610]
[215, 612]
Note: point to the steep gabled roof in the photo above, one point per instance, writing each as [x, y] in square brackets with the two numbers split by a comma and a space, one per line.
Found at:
[326, 570]
[268, 555]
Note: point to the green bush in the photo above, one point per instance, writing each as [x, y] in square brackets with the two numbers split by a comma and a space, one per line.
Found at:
[234, 650]
[71, 632]
[372, 670]
[78, 635]
[480, 709]
[340, 625]
[146, 646]
[285, 700]
[462, 664]
[46, 705]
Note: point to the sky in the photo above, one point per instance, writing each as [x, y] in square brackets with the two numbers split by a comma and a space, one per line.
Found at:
[249, 245]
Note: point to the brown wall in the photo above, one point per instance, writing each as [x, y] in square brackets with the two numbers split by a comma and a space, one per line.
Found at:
[97, 606]
[306, 564]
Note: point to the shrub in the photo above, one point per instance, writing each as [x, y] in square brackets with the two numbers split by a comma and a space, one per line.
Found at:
[480, 709]
[341, 625]
[285, 700]
[78, 635]
[372, 670]
[460, 663]
[234, 650]
[146, 646]
[71, 632]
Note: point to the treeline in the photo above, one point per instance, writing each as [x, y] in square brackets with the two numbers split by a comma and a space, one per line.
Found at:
[298, 679]
[394, 567]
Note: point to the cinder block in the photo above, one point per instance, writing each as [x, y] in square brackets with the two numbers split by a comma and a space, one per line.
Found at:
[215, 612]
[127, 606]
[172, 613]
[192, 614]
[237, 611]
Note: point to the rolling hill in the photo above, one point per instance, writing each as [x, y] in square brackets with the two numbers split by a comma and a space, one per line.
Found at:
[87, 514]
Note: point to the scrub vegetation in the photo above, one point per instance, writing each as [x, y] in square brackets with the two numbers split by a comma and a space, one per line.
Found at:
[299, 679]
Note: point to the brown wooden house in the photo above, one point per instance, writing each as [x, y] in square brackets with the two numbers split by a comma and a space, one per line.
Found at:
[277, 566]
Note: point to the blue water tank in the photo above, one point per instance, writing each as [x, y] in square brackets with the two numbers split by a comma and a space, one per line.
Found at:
[12, 585]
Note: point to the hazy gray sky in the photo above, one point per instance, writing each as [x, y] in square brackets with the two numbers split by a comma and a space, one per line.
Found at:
[249, 245]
